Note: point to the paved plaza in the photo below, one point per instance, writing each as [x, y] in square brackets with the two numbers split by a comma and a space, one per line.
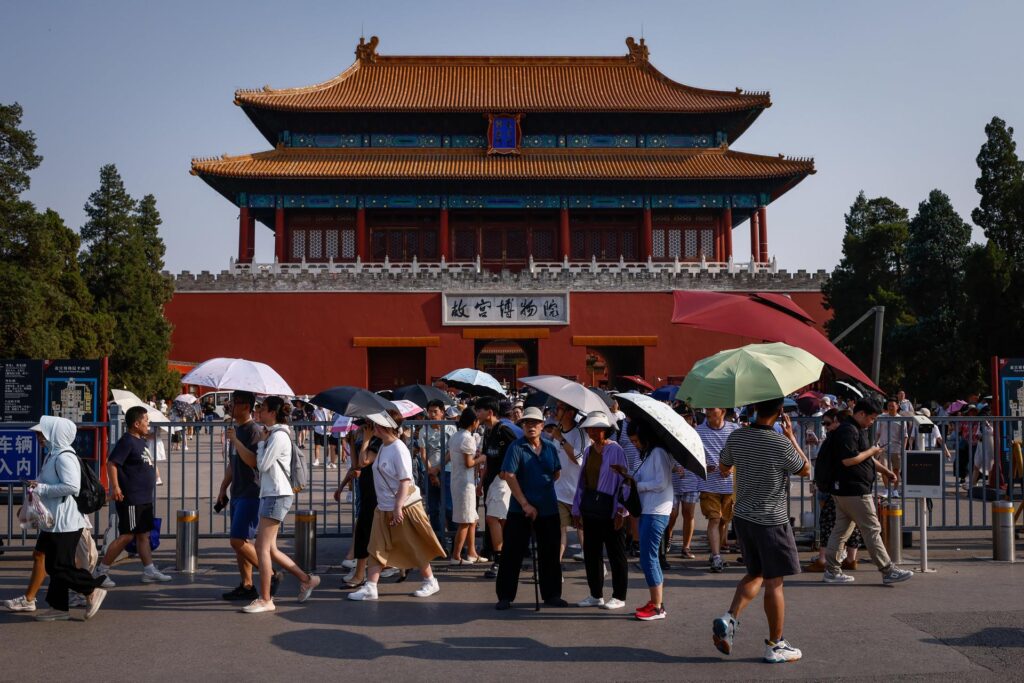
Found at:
[961, 623]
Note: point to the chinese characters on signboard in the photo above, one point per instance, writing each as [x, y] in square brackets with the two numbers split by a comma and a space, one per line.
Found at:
[19, 456]
[505, 309]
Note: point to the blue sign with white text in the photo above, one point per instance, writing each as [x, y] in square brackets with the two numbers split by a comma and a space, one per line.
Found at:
[19, 456]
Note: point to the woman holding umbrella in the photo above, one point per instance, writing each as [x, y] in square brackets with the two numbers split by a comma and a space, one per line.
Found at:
[597, 509]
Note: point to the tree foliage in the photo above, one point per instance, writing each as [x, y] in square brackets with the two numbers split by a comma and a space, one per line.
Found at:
[871, 273]
[122, 264]
[1000, 211]
[48, 311]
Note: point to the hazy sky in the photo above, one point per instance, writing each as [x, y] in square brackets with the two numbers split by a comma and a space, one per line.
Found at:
[889, 97]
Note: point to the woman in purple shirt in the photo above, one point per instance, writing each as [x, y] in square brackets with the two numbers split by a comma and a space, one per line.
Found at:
[598, 511]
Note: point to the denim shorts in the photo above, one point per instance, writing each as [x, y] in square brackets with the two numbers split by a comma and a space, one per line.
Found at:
[275, 507]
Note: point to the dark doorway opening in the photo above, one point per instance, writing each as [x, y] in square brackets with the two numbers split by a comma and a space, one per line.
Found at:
[392, 367]
[507, 359]
[605, 364]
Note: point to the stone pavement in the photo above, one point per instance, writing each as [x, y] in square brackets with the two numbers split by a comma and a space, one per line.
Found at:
[962, 623]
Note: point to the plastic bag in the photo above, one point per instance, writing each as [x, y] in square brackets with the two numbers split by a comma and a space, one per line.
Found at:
[33, 514]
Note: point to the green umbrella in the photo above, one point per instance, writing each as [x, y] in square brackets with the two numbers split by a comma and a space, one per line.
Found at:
[756, 372]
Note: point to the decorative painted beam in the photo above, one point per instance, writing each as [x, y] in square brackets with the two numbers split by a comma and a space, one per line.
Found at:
[544, 140]
[529, 201]
[504, 201]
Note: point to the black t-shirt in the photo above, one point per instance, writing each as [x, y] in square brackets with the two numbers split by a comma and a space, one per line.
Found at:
[243, 477]
[849, 440]
[367, 491]
[136, 476]
[496, 442]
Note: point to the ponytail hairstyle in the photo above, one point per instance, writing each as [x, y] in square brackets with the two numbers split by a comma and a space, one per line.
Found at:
[279, 407]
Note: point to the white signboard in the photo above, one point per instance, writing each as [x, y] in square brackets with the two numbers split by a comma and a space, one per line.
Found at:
[505, 309]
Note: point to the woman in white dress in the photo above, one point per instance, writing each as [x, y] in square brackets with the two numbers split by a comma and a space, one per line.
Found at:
[462, 452]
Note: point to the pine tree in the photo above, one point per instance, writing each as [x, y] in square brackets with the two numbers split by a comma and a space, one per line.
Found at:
[47, 309]
[122, 264]
[933, 348]
[870, 274]
[1000, 211]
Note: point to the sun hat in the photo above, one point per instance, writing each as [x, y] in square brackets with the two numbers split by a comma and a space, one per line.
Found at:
[597, 419]
[532, 413]
[383, 419]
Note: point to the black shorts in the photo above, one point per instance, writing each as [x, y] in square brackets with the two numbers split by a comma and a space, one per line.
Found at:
[134, 519]
[327, 439]
[768, 551]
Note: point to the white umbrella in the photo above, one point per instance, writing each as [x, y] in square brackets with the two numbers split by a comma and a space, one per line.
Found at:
[475, 382]
[238, 374]
[186, 398]
[568, 392]
[673, 432]
[126, 399]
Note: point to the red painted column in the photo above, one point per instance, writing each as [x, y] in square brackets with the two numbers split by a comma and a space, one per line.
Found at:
[719, 240]
[279, 234]
[563, 235]
[243, 234]
[647, 238]
[442, 236]
[361, 234]
[727, 227]
[762, 225]
[755, 249]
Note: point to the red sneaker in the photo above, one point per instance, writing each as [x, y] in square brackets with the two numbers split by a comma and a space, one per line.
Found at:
[650, 613]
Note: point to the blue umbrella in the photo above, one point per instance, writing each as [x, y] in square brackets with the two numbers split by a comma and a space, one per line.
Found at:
[665, 393]
[474, 382]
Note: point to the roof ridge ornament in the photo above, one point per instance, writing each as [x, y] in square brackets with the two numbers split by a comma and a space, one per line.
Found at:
[366, 52]
[638, 51]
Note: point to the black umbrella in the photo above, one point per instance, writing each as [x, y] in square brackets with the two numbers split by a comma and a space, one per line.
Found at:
[335, 398]
[365, 403]
[671, 431]
[421, 395]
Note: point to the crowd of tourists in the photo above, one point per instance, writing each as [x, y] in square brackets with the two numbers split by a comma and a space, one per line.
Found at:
[541, 475]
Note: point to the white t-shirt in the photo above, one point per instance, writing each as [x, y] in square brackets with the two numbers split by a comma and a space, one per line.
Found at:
[565, 485]
[654, 483]
[393, 464]
[321, 415]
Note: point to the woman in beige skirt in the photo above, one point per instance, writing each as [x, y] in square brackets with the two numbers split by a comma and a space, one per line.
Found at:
[401, 535]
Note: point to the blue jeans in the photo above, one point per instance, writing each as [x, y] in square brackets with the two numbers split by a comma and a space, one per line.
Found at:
[434, 509]
[448, 498]
[652, 528]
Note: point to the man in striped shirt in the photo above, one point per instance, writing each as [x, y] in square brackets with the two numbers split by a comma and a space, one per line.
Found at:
[716, 494]
[764, 460]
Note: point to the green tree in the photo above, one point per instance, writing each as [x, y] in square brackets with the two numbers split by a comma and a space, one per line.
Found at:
[122, 264]
[933, 348]
[1000, 211]
[47, 309]
[870, 274]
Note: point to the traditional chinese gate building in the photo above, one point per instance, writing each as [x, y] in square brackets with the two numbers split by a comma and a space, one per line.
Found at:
[518, 214]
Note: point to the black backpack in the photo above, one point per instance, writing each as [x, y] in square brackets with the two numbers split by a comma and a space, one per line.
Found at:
[91, 494]
[825, 470]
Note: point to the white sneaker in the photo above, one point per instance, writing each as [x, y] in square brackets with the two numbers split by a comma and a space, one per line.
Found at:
[777, 653]
[155, 576]
[578, 556]
[348, 564]
[94, 601]
[389, 572]
[259, 605]
[829, 577]
[316, 463]
[76, 600]
[306, 589]
[367, 592]
[107, 581]
[20, 604]
[590, 601]
[429, 587]
[613, 603]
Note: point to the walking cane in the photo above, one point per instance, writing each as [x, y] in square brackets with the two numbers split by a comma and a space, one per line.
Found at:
[533, 556]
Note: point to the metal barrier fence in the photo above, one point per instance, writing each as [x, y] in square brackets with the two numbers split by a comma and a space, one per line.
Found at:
[196, 456]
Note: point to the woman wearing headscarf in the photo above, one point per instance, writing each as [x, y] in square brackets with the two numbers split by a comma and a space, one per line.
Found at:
[401, 536]
[598, 510]
[59, 482]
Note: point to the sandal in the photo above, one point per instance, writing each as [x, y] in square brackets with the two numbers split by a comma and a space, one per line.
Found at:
[687, 554]
[352, 584]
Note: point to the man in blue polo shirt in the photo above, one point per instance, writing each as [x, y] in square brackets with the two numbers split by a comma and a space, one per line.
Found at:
[531, 468]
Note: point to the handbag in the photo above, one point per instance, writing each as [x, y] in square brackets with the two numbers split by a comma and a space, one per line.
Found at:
[632, 501]
[154, 538]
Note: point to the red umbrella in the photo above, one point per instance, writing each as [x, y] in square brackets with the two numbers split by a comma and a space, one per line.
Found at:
[764, 316]
[639, 381]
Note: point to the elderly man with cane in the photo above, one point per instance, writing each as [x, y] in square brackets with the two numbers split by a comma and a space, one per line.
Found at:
[531, 468]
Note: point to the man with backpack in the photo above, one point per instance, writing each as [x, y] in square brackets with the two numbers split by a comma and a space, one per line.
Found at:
[849, 475]
[132, 478]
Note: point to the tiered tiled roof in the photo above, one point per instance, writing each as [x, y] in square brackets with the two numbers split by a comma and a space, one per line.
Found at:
[543, 163]
[377, 83]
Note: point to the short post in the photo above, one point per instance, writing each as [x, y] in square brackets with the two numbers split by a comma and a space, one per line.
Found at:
[893, 513]
[1003, 545]
[305, 539]
[186, 554]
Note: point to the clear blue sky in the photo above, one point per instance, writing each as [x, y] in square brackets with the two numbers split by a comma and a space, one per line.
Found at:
[888, 97]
